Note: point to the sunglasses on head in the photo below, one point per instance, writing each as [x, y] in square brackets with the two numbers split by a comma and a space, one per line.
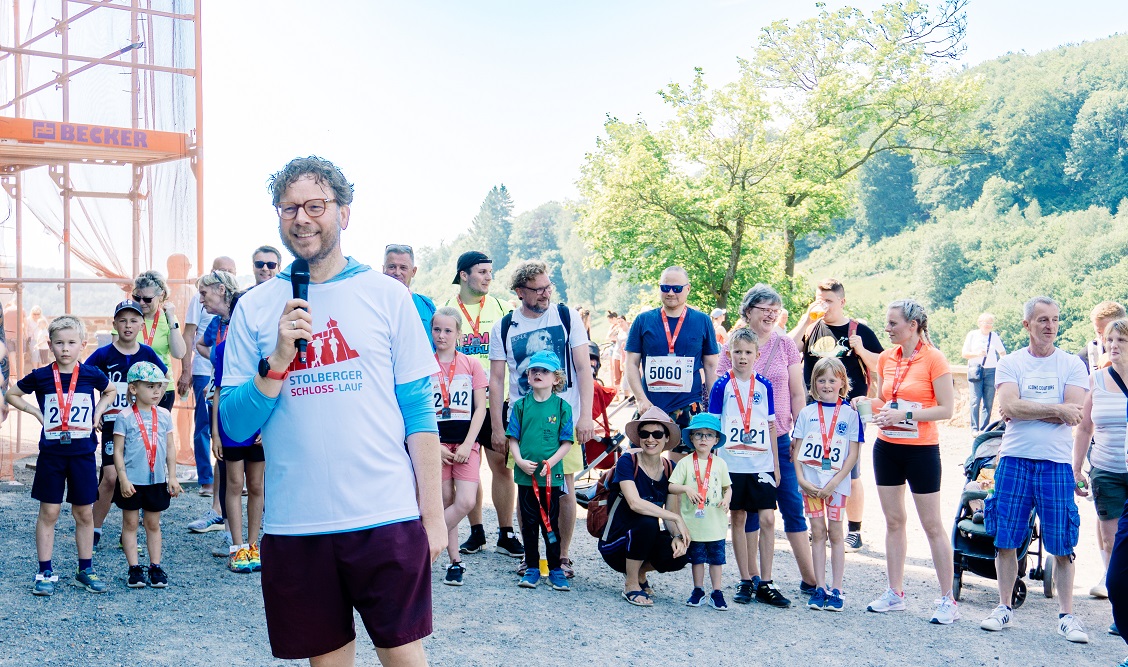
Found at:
[270, 265]
[143, 299]
[657, 435]
[676, 289]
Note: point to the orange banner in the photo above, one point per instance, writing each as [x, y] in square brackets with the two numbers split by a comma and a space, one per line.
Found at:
[47, 131]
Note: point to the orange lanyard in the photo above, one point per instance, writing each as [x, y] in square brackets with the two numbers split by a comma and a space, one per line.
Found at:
[670, 340]
[477, 320]
[898, 378]
[149, 335]
[150, 445]
[828, 434]
[702, 486]
[65, 402]
[446, 379]
[745, 413]
[550, 534]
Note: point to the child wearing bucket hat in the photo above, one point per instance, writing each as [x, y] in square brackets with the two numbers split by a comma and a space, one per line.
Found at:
[540, 434]
[145, 459]
[702, 480]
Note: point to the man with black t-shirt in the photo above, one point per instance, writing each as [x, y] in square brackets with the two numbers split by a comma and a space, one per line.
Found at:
[857, 347]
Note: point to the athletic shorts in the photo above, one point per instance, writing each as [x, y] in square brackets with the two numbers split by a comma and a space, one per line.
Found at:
[834, 508]
[749, 494]
[104, 448]
[1110, 492]
[312, 583]
[918, 465]
[706, 553]
[148, 497]
[1022, 485]
[252, 453]
[76, 474]
[464, 472]
[681, 417]
[486, 434]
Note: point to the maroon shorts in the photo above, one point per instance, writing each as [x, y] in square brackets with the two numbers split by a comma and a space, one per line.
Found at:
[312, 583]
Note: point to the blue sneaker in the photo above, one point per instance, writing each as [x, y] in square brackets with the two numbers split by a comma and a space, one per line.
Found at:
[696, 597]
[818, 600]
[531, 579]
[717, 601]
[558, 580]
[44, 583]
[89, 580]
[208, 522]
[833, 601]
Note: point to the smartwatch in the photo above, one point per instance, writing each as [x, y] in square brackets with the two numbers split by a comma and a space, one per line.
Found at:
[176, 325]
[265, 371]
[909, 415]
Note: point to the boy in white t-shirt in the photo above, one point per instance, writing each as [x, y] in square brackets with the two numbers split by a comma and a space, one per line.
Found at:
[744, 403]
[825, 447]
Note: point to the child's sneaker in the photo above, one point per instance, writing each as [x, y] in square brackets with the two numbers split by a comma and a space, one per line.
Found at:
[1070, 628]
[743, 592]
[833, 601]
[999, 619]
[853, 541]
[136, 577]
[240, 561]
[89, 580]
[558, 580]
[475, 542]
[530, 580]
[696, 597]
[157, 577]
[947, 611]
[889, 601]
[208, 522]
[454, 574]
[254, 558]
[717, 601]
[44, 583]
[768, 594]
[818, 600]
[223, 550]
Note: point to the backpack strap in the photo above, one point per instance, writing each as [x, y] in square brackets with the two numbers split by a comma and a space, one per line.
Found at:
[566, 319]
[853, 328]
[506, 322]
[850, 333]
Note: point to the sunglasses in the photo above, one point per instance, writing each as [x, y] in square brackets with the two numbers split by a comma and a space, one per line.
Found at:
[676, 289]
[143, 299]
[269, 265]
[657, 435]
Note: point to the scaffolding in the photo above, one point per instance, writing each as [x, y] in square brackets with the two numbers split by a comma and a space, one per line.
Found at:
[96, 162]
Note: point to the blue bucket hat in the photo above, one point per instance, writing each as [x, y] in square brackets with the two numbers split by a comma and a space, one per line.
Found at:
[544, 359]
[705, 420]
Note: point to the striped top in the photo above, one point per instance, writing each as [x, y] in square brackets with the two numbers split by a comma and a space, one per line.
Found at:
[1110, 419]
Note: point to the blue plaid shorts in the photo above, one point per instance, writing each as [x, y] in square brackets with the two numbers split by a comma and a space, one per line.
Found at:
[1022, 485]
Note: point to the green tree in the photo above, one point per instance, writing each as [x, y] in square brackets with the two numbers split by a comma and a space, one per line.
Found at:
[887, 202]
[492, 226]
[1098, 148]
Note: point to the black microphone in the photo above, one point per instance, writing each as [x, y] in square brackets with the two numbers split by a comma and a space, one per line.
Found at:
[299, 280]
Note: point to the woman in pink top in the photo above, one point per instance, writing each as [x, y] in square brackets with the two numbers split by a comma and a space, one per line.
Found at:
[782, 364]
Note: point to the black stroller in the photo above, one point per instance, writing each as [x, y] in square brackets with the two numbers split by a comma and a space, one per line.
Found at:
[974, 550]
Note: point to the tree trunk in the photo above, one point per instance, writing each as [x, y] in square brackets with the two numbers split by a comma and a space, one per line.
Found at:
[789, 253]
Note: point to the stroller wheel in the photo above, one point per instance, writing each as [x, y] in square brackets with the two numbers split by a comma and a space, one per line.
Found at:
[1019, 595]
[1048, 578]
[957, 584]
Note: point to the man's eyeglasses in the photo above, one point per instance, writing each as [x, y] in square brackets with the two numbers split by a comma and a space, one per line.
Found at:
[770, 313]
[259, 264]
[314, 208]
[676, 289]
[657, 435]
[143, 299]
[539, 291]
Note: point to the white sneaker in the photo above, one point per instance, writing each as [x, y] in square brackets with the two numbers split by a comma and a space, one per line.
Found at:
[1070, 628]
[947, 611]
[999, 619]
[889, 601]
[1099, 590]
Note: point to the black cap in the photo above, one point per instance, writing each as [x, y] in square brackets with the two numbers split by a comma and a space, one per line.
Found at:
[467, 261]
[128, 304]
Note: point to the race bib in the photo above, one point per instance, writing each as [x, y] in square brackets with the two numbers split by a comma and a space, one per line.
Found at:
[811, 451]
[669, 375]
[1040, 388]
[80, 422]
[903, 430]
[121, 402]
[461, 398]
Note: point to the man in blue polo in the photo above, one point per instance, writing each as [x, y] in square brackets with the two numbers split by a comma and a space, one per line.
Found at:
[354, 518]
[668, 351]
[399, 263]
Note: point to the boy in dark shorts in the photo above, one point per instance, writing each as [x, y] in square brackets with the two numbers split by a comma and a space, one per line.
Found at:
[64, 393]
[142, 435]
[115, 360]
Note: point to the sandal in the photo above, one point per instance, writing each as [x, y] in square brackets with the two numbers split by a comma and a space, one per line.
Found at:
[644, 586]
[566, 565]
[638, 598]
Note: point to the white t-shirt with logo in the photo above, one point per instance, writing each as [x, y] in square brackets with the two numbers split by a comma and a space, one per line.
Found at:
[1040, 380]
[528, 336]
[335, 454]
[202, 319]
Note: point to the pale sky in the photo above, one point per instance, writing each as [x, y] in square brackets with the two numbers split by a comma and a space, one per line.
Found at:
[426, 105]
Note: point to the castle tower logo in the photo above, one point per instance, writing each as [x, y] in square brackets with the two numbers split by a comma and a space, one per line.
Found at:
[327, 348]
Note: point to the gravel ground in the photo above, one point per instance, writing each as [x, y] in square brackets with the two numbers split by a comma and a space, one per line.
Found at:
[209, 616]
